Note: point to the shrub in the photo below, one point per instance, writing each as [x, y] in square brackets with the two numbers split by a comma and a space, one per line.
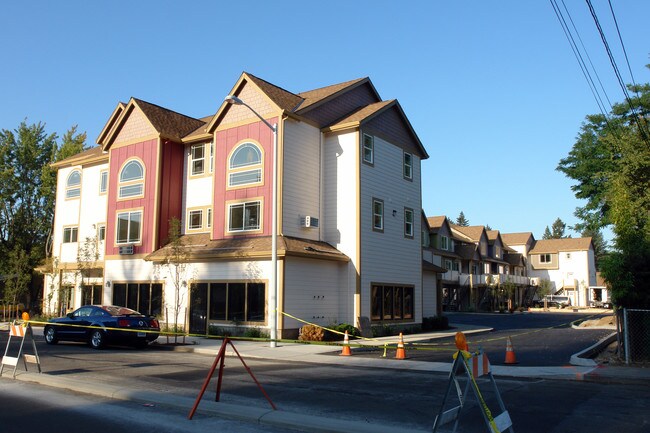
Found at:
[311, 333]
[255, 333]
[341, 327]
[435, 323]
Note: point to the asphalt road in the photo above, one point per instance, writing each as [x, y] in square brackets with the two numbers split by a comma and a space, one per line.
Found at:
[539, 339]
[30, 408]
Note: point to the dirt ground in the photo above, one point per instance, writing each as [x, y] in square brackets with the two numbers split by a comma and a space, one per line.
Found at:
[609, 355]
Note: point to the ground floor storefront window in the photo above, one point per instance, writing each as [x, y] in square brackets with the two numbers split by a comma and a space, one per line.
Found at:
[391, 302]
[236, 301]
[91, 294]
[145, 298]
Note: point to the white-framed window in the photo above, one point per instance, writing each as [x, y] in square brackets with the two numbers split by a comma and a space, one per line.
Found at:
[197, 159]
[244, 217]
[129, 227]
[545, 258]
[131, 179]
[408, 223]
[212, 157]
[195, 219]
[70, 234]
[208, 222]
[455, 266]
[448, 265]
[497, 252]
[377, 215]
[245, 165]
[101, 232]
[408, 166]
[103, 181]
[444, 243]
[73, 185]
[368, 149]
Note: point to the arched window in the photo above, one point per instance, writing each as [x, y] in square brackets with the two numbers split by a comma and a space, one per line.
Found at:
[131, 179]
[73, 185]
[245, 165]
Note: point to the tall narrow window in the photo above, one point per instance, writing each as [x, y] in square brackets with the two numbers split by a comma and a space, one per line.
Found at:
[211, 157]
[245, 165]
[73, 185]
[408, 223]
[378, 215]
[131, 179]
[103, 181]
[408, 166]
[101, 233]
[368, 149]
[197, 155]
[208, 223]
[244, 217]
[129, 227]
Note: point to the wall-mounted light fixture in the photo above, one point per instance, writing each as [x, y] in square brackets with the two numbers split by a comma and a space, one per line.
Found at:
[108, 284]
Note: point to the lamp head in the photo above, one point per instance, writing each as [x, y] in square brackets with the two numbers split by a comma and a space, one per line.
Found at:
[231, 99]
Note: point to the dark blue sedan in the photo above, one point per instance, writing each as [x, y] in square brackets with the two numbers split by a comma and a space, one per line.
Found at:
[101, 325]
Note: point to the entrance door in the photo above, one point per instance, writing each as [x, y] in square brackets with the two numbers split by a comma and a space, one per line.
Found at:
[199, 308]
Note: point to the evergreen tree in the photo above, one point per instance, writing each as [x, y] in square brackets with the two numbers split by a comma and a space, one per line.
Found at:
[461, 220]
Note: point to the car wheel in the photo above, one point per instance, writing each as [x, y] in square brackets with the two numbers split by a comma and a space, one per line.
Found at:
[97, 339]
[50, 335]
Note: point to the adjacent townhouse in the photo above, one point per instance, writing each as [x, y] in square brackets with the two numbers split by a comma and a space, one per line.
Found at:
[347, 222]
[568, 264]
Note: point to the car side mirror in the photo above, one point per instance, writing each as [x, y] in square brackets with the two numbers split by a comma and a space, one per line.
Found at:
[70, 316]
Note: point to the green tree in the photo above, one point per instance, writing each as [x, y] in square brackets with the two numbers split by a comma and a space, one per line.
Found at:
[610, 162]
[547, 234]
[600, 245]
[27, 191]
[461, 220]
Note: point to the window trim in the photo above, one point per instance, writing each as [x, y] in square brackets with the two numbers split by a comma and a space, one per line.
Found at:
[101, 226]
[131, 182]
[74, 187]
[444, 242]
[545, 258]
[404, 316]
[370, 148]
[406, 165]
[380, 215]
[408, 235]
[71, 230]
[192, 160]
[103, 182]
[117, 231]
[249, 168]
[244, 202]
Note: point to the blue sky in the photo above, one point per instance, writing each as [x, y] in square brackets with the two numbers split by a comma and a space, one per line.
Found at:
[491, 87]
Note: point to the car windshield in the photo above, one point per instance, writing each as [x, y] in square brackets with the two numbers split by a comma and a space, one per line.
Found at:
[121, 311]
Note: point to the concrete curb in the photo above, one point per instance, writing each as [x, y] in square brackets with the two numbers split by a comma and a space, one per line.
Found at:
[582, 358]
[255, 415]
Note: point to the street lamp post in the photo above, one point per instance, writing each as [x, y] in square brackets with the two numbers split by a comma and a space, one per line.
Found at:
[273, 290]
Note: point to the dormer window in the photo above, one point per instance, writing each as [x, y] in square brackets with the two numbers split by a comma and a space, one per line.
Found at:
[131, 180]
[73, 185]
[245, 166]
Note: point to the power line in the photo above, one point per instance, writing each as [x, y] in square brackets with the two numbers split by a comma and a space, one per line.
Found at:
[635, 117]
[618, 31]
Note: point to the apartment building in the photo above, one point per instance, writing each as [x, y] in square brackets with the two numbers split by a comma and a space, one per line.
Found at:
[348, 200]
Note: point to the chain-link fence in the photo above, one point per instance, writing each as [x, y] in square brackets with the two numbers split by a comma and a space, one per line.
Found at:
[633, 328]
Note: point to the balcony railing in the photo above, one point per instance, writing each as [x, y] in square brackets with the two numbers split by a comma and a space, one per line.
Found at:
[473, 280]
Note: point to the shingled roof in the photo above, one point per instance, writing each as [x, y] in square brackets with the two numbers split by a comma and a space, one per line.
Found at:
[168, 123]
[94, 154]
[201, 247]
[517, 238]
[557, 245]
[313, 97]
[282, 98]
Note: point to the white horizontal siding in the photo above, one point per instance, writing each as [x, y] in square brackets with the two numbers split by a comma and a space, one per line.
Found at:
[313, 292]
[341, 227]
[389, 257]
[301, 178]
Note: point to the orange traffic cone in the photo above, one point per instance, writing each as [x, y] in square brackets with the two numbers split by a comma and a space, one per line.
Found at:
[346, 346]
[400, 353]
[510, 354]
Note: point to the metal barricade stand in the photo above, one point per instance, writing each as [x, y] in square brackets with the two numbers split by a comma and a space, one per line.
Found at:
[474, 365]
[22, 331]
